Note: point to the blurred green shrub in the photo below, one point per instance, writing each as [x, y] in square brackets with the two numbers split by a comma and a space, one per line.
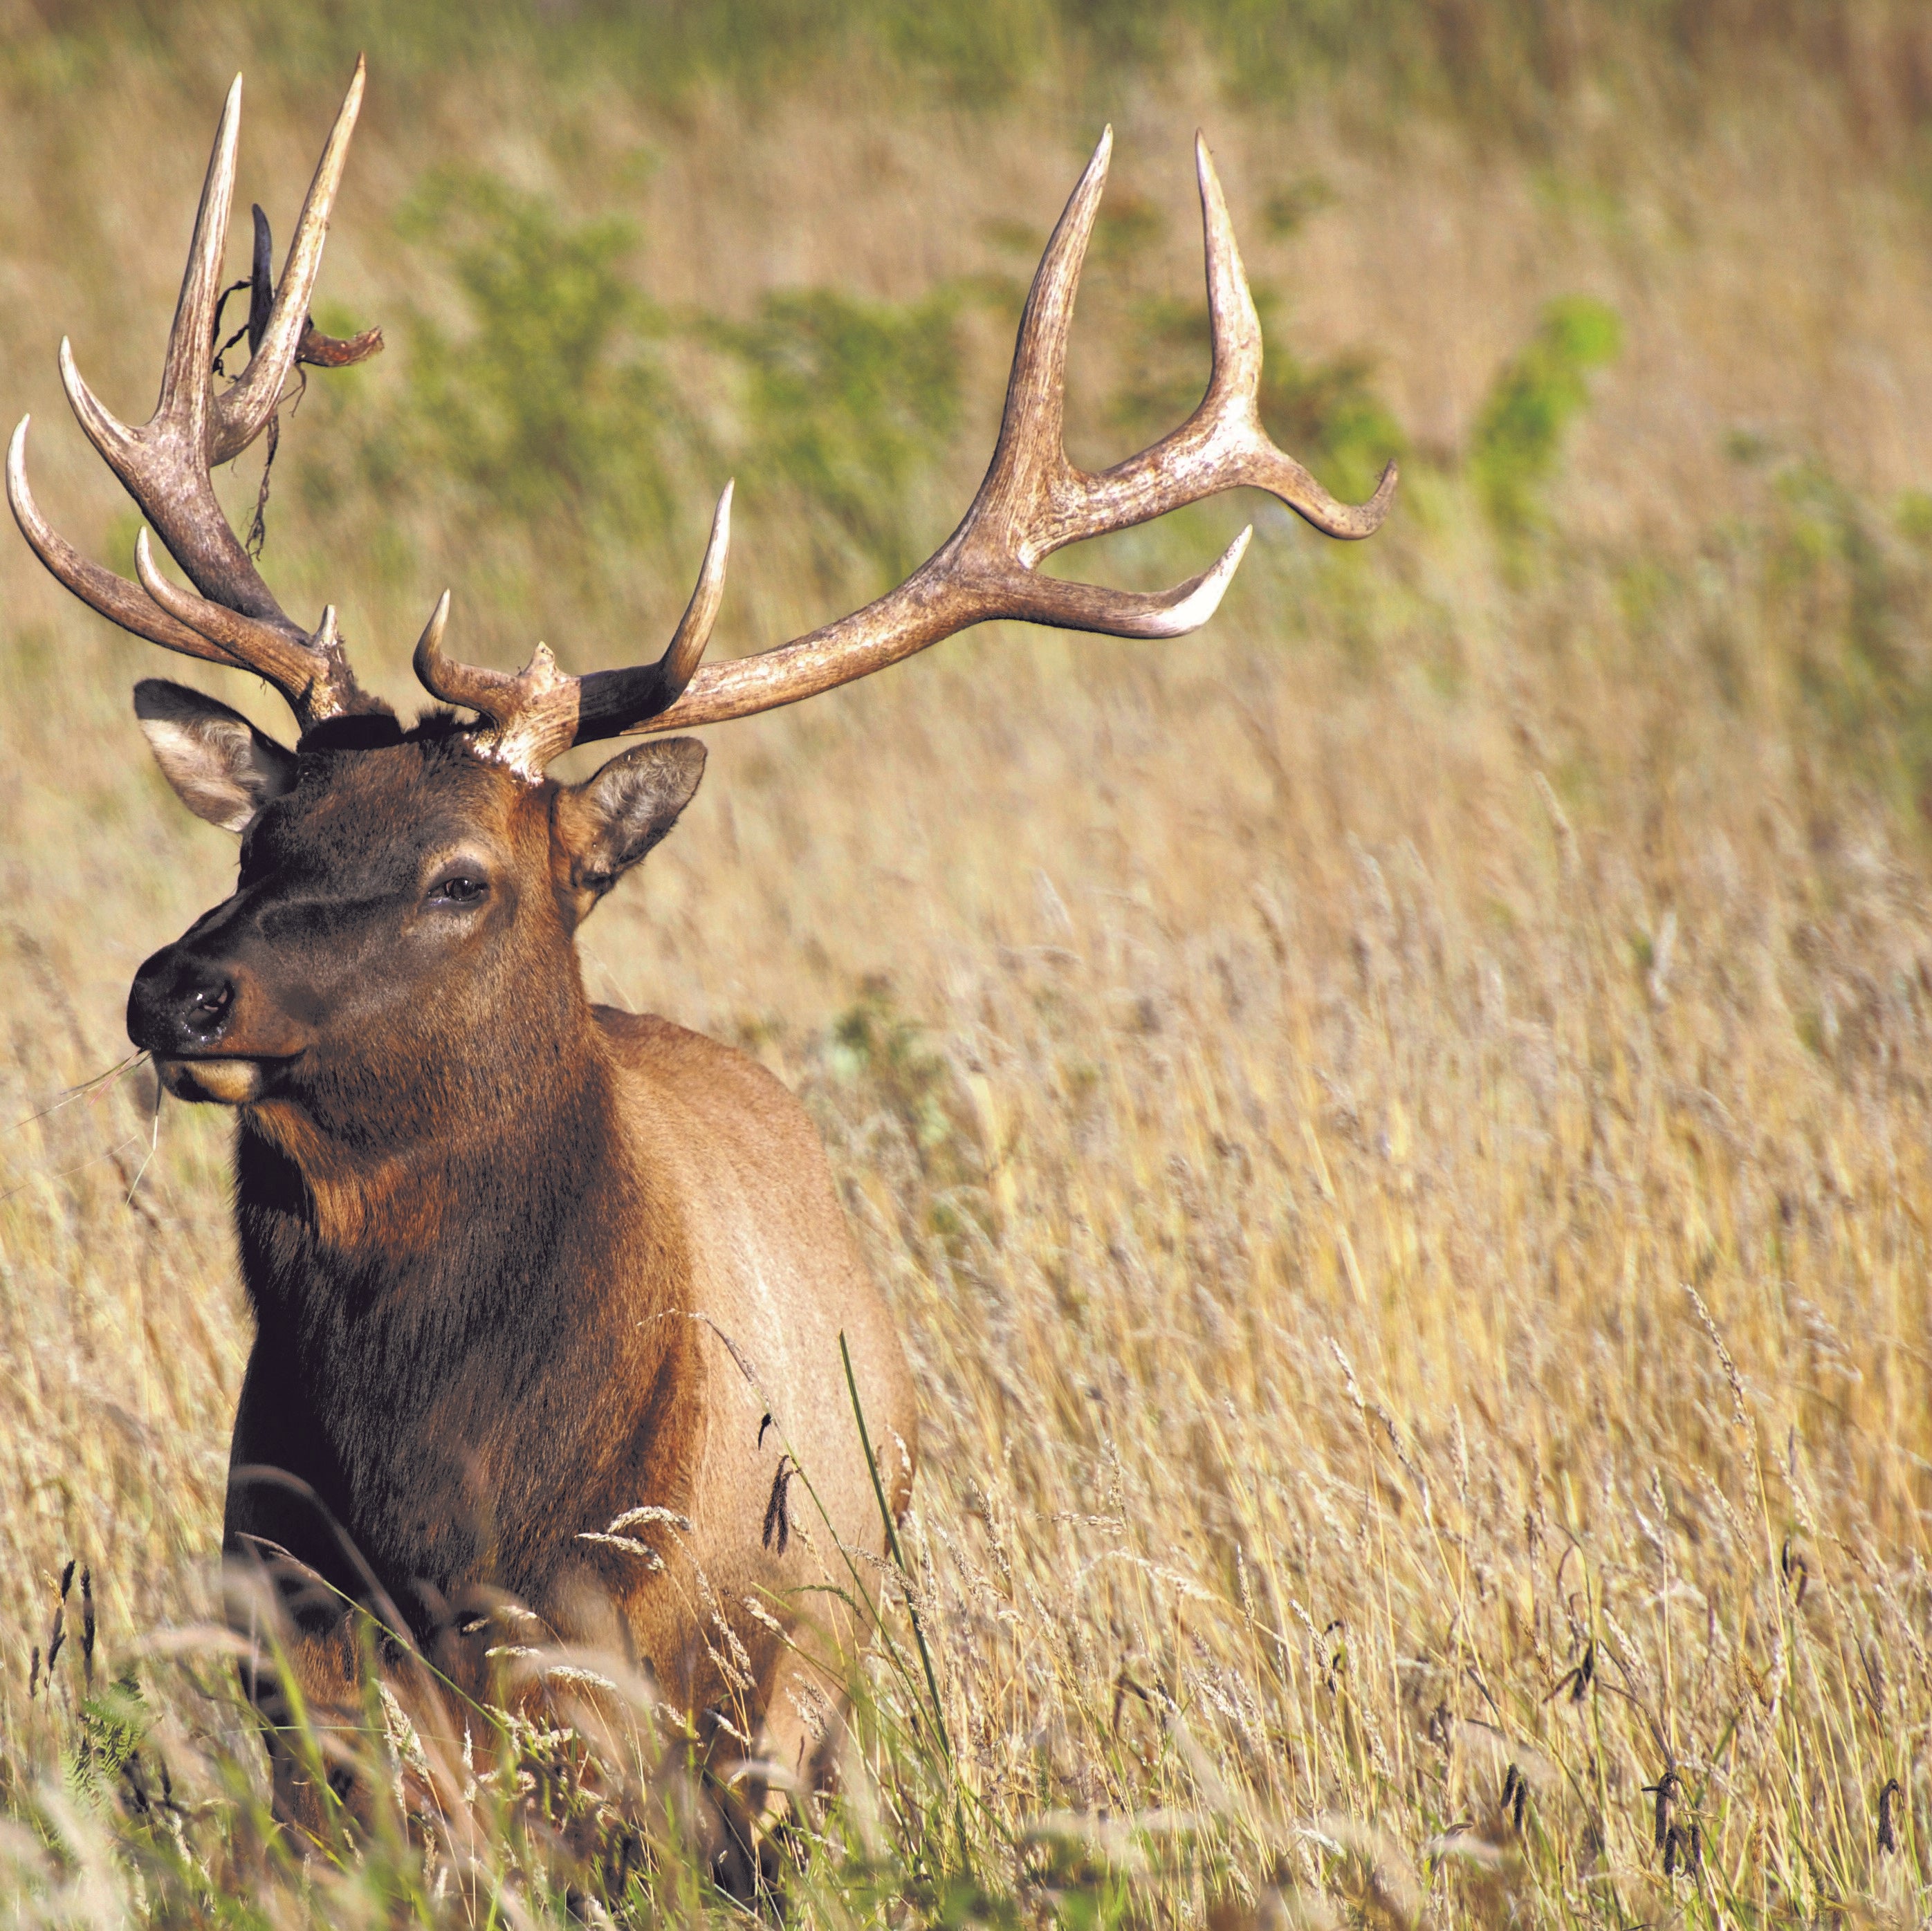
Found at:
[1288, 210]
[1817, 604]
[918, 1119]
[1847, 596]
[872, 1042]
[552, 403]
[547, 398]
[1532, 401]
[1326, 415]
[1511, 69]
[849, 404]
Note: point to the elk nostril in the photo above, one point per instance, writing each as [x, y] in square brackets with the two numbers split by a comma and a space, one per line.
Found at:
[207, 1007]
[180, 1003]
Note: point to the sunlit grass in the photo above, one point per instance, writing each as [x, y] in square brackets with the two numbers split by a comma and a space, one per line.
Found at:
[1394, 1129]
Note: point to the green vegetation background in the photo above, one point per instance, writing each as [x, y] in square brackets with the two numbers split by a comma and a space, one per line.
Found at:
[1474, 936]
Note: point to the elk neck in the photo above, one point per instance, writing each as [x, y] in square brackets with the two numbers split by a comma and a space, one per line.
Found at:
[433, 1305]
[467, 1169]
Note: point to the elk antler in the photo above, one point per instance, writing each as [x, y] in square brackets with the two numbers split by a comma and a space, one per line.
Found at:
[541, 712]
[165, 464]
[1032, 502]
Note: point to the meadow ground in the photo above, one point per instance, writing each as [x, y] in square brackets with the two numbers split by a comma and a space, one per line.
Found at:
[1394, 1128]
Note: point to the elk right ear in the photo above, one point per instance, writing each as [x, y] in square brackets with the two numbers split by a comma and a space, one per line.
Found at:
[223, 768]
[605, 825]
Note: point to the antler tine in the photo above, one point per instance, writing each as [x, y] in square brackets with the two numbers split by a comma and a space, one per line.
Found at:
[679, 664]
[114, 597]
[165, 464]
[243, 412]
[453, 681]
[1223, 444]
[538, 714]
[610, 702]
[1030, 450]
[184, 375]
[1232, 320]
[532, 715]
[160, 467]
[310, 671]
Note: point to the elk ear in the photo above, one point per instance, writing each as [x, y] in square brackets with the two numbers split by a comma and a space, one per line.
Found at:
[607, 823]
[223, 768]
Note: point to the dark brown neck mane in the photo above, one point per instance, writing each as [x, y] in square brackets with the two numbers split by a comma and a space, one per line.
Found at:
[434, 1307]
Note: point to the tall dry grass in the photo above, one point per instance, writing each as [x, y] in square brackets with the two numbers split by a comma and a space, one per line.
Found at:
[1394, 1129]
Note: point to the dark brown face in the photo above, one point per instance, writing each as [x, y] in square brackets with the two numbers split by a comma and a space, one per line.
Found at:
[402, 917]
[384, 903]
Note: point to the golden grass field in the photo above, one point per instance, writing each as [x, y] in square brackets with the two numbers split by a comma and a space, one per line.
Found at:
[1395, 1127]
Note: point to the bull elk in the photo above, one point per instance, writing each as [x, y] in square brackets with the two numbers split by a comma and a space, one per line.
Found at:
[522, 1266]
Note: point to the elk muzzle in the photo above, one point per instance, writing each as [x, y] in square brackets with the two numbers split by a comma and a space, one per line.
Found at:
[213, 1033]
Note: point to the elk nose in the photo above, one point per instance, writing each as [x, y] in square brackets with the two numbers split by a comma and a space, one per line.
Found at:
[179, 1004]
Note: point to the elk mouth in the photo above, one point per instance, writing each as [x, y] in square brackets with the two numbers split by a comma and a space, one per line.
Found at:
[221, 1079]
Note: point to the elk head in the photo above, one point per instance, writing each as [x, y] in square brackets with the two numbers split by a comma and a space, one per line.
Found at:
[406, 893]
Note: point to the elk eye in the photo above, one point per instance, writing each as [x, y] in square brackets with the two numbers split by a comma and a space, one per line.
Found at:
[460, 888]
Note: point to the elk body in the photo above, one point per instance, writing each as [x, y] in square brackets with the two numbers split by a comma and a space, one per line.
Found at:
[548, 1296]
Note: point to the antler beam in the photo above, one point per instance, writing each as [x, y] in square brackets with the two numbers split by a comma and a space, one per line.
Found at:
[1032, 502]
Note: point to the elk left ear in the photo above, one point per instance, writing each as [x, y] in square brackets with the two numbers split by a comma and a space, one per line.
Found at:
[222, 767]
[607, 823]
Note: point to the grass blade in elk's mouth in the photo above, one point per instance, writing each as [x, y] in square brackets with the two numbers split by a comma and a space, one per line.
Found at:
[225, 1082]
